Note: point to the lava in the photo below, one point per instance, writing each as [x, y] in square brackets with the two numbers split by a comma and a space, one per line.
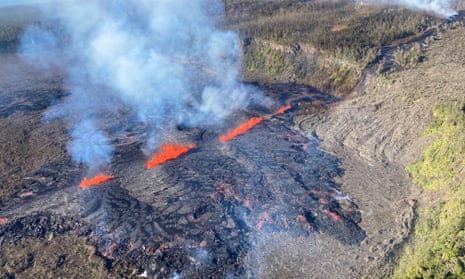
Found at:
[26, 194]
[3, 220]
[323, 201]
[333, 215]
[241, 129]
[282, 110]
[264, 218]
[168, 152]
[228, 190]
[96, 180]
[108, 252]
[303, 219]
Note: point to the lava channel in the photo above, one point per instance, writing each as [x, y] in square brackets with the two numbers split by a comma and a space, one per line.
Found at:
[282, 110]
[96, 180]
[168, 152]
[241, 129]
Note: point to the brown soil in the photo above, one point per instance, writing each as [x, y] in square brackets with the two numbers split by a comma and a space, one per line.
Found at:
[27, 142]
[60, 257]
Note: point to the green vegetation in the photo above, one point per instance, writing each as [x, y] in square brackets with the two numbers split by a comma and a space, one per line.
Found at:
[332, 37]
[342, 76]
[310, 42]
[409, 57]
[443, 160]
[265, 58]
[438, 247]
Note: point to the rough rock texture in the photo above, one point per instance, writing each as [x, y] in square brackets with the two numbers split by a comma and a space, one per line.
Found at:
[263, 205]
[197, 216]
[379, 132]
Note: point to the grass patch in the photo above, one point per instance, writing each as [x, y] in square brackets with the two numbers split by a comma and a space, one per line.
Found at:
[438, 247]
[443, 160]
[342, 77]
[264, 59]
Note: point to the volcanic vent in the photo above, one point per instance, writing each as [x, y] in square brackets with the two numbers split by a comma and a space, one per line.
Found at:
[197, 206]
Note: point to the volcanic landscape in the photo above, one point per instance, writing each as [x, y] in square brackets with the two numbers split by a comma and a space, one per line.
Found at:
[192, 181]
[203, 202]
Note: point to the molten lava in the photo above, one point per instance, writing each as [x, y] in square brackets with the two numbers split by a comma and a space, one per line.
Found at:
[168, 152]
[282, 110]
[241, 129]
[333, 215]
[96, 180]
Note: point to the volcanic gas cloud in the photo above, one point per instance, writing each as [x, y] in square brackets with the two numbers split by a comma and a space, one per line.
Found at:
[441, 8]
[156, 63]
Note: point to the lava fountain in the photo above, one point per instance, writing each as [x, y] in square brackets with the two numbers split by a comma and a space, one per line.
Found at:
[241, 129]
[282, 110]
[168, 152]
[94, 181]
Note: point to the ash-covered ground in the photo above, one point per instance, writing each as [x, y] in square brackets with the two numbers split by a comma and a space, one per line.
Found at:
[197, 216]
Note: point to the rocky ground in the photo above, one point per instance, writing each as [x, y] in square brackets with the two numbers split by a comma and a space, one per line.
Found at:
[198, 216]
[379, 132]
[367, 140]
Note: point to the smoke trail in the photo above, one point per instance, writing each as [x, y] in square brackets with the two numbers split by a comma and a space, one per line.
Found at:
[163, 60]
[438, 7]
[89, 144]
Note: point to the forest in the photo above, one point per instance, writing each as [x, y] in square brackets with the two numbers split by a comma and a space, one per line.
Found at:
[325, 44]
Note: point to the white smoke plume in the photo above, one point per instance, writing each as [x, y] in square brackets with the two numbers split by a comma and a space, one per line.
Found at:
[6, 3]
[440, 8]
[162, 62]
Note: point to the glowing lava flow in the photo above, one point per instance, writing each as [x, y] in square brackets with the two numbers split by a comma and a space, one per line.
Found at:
[96, 180]
[168, 152]
[282, 110]
[333, 215]
[242, 129]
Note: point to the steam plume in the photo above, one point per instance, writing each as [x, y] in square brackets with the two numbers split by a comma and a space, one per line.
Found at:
[438, 7]
[162, 61]
[6, 3]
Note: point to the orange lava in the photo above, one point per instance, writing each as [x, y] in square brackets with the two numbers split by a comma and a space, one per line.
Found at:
[108, 252]
[333, 215]
[286, 224]
[247, 203]
[303, 219]
[96, 180]
[168, 152]
[282, 110]
[26, 194]
[259, 225]
[241, 129]
[3, 220]
[323, 201]
[264, 218]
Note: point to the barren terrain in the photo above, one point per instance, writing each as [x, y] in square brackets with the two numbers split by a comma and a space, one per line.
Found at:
[320, 191]
[380, 131]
